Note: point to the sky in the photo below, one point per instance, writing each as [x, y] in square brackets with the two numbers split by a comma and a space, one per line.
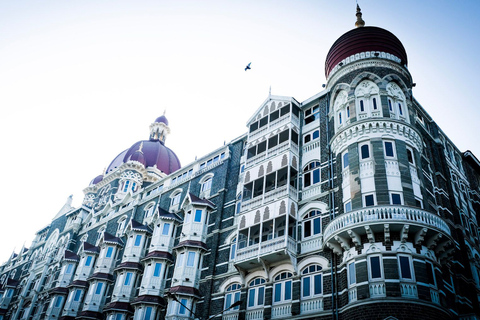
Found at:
[80, 81]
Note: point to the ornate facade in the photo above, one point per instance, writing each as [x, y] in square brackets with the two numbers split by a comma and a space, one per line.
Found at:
[352, 204]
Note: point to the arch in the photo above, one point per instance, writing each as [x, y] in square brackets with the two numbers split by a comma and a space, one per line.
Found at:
[362, 77]
[230, 281]
[281, 268]
[254, 275]
[323, 262]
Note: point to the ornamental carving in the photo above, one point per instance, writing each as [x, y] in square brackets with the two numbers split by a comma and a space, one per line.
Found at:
[394, 90]
[340, 100]
[366, 88]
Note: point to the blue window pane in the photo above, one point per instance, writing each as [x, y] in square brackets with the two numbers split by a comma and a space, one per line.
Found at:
[396, 199]
[374, 103]
[109, 252]
[316, 176]
[375, 267]
[365, 151]
[400, 108]
[278, 292]
[317, 226]
[182, 309]
[369, 201]
[69, 268]
[261, 296]
[390, 105]
[198, 216]
[288, 290]
[228, 301]
[351, 273]
[128, 279]
[99, 288]
[315, 134]
[306, 287]
[318, 284]
[232, 251]
[389, 149]
[191, 259]
[158, 268]
[58, 302]
[348, 112]
[138, 240]
[166, 229]
[78, 293]
[236, 298]
[345, 160]
[405, 268]
[88, 261]
[251, 297]
[148, 313]
[340, 117]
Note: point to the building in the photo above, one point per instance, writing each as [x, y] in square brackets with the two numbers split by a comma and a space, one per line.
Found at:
[352, 204]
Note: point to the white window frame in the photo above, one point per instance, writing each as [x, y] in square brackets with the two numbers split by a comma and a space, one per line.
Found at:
[345, 154]
[311, 275]
[282, 285]
[255, 288]
[364, 202]
[234, 294]
[349, 202]
[310, 219]
[349, 274]
[391, 198]
[393, 149]
[369, 151]
[410, 264]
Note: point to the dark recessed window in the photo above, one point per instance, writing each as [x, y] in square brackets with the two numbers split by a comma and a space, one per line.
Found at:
[375, 269]
[374, 104]
[263, 121]
[405, 270]
[410, 156]
[274, 115]
[253, 127]
[396, 198]
[388, 149]
[362, 108]
[365, 151]
[369, 200]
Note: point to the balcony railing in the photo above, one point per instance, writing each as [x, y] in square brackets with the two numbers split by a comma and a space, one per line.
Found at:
[311, 306]
[282, 311]
[266, 247]
[408, 290]
[387, 214]
[256, 314]
[377, 289]
[312, 244]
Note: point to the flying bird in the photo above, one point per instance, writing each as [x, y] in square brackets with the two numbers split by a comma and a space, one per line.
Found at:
[248, 66]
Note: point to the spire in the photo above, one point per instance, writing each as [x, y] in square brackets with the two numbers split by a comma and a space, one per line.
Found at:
[359, 23]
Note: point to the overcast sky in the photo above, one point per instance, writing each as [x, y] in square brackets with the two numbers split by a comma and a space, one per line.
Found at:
[80, 81]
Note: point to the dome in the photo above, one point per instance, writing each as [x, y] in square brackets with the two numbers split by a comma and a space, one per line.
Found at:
[154, 153]
[96, 180]
[162, 119]
[364, 39]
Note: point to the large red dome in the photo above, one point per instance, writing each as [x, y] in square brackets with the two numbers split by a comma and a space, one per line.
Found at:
[364, 39]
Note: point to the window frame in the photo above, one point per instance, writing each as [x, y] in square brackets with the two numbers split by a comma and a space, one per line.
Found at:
[311, 275]
[257, 287]
[282, 284]
[360, 149]
[369, 262]
[364, 199]
[410, 266]
[394, 154]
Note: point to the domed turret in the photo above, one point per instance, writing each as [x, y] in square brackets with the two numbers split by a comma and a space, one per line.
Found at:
[370, 41]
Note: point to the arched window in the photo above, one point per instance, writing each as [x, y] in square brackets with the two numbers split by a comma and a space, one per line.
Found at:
[311, 173]
[232, 295]
[239, 203]
[367, 95]
[312, 224]
[149, 209]
[396, 102]
[312, 281]
[207, 184]
[122, 222]
[282, 288]
[256, 293]
[100, 234]
[233, 249]
[175, 198]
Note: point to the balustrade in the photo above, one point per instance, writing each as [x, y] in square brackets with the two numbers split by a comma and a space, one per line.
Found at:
[256, 314]
[377, 289]
[312, 305]
[282, 311]
[408, 290]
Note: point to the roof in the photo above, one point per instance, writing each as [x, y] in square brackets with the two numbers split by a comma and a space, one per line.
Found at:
[192, 244]
[159, 254]
[101, 276]
[90, 248]
[168, 215]
[189, 291]
[109, 238]
[148, 299]
[137, 226]
[70, 256]
[120, 306]
[130, 266]
[203, 202]
[78, 283]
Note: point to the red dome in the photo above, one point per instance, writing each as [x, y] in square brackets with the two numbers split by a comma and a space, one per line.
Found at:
[364, 39]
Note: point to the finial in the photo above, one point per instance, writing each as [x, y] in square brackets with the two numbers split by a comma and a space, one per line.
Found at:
[164, 111]
[360, 22]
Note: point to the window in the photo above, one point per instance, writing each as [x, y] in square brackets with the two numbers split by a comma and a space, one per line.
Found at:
[9, 293]
[88, 261]
[311, 281]
[232, 295]
[126, 184]
[256, 293]
[311, 174]
[157, 269]
[388, 145]
[109, 252]
[400, 108]
[375, 270]
[166, 229]
[198, 216]
[207, 185]
[233, 249]
[191, 259]
[149, 210]
[312, 224]
[396, 198]
[282, 289]
[311, 114]
[339, 118]
[405, 268]
[78, 294]
[345, 160]
[138, 240]
[175, 199]
[180, 259]
[365, 151]
[148, 313]
[348, 206]
[431, 274]
[118, 316]
[58, 302]
[410, 156]
[352, 279]
[348, 112]
[362, 107]
[374, 104]
[390, 105]
[369, 200]
[128, 279]
[183, 309]
[69, 268]
[98, 289]
[311, 136]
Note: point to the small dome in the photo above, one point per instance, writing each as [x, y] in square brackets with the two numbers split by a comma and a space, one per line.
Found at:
[96, 180]
[138, 156]
[364, 39]
[162, 119]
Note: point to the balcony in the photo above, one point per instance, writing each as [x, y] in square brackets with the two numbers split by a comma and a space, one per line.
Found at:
[282, 311]
[311, 306]
[426, 228]
[255, 314]
[271, 250]
[274, 194]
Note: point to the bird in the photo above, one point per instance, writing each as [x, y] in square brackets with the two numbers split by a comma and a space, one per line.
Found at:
[248, 66]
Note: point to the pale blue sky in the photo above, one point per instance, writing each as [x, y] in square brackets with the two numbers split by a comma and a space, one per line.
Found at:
[81, 81]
